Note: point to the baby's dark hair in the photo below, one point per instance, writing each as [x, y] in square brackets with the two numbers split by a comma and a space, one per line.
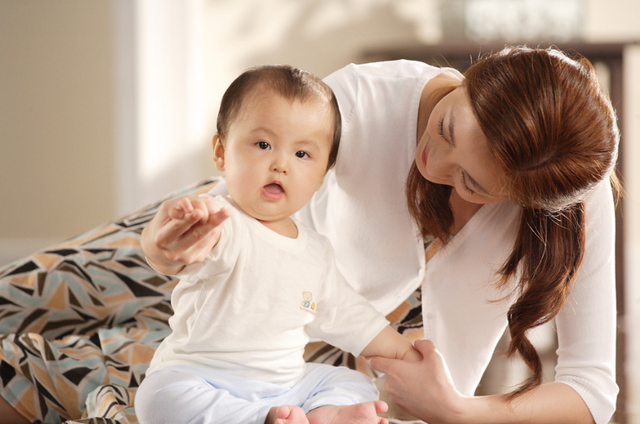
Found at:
[287, 81]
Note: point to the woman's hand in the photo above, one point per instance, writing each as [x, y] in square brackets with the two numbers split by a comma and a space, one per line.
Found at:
[424, 389]
[183, 232]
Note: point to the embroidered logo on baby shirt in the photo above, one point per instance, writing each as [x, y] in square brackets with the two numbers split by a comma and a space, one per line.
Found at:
[308, 305]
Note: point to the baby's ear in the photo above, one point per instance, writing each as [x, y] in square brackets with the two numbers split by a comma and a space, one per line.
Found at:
[218, 152]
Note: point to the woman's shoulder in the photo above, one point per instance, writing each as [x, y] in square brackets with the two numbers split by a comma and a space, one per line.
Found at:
[370, 84]
[401, 68]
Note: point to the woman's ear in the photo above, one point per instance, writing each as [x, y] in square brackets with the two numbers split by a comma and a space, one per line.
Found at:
[218, 152]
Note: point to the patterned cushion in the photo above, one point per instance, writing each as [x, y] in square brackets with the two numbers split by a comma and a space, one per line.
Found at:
[79, 322]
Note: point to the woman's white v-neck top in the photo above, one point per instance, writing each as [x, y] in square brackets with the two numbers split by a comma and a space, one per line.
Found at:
[362, 209]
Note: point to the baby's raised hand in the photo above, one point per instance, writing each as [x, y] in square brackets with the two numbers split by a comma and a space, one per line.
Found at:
[193, 211]
[183, 232]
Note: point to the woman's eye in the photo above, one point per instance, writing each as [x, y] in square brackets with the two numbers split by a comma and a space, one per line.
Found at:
[465, 186]
[301, 154]
[441, 128]
[263, 145]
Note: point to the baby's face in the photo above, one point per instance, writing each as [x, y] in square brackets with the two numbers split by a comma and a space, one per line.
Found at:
[275, 154]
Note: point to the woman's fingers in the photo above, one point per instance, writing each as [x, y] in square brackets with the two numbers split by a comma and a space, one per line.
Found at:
[425, 347]
[381, 364]
[424, 389]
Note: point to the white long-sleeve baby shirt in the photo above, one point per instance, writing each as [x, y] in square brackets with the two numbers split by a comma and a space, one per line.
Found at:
[253, 304]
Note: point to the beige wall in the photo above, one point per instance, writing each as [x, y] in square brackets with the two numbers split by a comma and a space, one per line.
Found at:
[56, 119]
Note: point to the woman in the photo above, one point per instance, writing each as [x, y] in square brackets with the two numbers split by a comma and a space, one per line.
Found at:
[510, 175]
[503, 173]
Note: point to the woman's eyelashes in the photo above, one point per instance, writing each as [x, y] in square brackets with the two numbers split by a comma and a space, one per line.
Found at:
[463, 180]
[464, 184]
[441, 128]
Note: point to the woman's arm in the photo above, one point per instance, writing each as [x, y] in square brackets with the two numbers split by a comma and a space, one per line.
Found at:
[425, 390]
[548, 403]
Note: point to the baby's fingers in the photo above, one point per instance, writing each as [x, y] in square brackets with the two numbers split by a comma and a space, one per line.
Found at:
[179, 208]
[220, 216]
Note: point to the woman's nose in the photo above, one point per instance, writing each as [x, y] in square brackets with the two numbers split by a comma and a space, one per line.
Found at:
[440, 162]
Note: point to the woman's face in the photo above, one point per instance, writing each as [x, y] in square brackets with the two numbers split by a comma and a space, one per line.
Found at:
[454, 151]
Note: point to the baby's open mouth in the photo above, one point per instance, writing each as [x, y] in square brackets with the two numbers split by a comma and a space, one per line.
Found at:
[274, 188]
[273, 191]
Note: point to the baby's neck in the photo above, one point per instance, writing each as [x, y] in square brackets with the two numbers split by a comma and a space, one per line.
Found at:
[285, 227]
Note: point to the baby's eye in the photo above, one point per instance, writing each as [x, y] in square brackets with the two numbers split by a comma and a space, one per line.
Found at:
[301, 154]
[263, 145]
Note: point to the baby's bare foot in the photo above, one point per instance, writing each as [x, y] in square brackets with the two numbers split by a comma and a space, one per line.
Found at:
[361, 413]
[288, 414]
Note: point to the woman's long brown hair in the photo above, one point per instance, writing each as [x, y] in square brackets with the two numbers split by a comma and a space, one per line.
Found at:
[553, 131]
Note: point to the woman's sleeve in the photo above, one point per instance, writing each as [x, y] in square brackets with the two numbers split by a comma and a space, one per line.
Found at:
[587, 323]
[344, 83]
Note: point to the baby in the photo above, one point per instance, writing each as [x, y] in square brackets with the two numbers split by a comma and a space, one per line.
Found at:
[255, 285]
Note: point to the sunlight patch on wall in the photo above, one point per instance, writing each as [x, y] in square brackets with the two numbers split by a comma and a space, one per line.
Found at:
[163, 124]
[170, 72]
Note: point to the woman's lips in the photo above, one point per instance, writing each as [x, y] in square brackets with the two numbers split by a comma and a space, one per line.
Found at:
[424, 156]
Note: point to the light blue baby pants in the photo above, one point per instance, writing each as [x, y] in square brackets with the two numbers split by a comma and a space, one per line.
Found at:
[199, 396]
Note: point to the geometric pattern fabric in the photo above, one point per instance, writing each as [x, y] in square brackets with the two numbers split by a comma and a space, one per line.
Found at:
[79, 323]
